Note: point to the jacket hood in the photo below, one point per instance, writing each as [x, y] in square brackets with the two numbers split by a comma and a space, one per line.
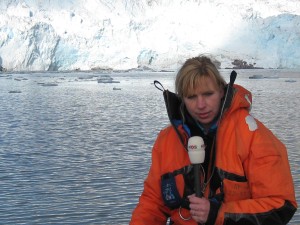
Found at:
[237, 97]
[242, 98]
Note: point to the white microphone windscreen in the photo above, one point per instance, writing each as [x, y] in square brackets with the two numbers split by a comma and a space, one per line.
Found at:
[196, 149]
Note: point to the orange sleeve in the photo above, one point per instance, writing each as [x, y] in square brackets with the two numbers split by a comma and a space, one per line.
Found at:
[267, 169]
[151, 209]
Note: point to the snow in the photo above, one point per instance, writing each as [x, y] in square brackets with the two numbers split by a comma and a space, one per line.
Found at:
[155, 34]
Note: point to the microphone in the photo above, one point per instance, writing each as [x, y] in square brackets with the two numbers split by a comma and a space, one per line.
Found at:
[196, 151]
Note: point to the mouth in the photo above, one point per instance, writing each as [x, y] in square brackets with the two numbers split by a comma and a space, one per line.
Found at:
[203, 115]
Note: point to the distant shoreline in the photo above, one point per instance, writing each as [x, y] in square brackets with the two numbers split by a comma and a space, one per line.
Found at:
[111, 71]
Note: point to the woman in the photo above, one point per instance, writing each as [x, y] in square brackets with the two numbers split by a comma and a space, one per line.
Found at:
[245, 177]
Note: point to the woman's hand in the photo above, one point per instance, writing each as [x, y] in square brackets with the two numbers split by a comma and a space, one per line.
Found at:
[199, 208]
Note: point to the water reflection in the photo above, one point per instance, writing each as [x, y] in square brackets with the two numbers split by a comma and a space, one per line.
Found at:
[78, 152]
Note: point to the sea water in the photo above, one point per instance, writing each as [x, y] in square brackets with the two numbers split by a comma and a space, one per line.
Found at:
[75, 151]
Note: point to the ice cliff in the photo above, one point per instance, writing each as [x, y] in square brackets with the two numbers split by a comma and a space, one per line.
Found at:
[154, 34]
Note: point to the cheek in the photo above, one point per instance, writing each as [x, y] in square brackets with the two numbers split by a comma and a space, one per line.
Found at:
[217, 103]
[188, 105]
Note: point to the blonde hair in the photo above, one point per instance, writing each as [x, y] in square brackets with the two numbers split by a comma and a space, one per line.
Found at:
[193, 72]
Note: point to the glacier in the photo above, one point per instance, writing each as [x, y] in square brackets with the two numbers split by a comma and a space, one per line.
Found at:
[55, 35]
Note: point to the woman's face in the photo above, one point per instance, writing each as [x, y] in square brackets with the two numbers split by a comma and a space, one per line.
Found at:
[204, 102]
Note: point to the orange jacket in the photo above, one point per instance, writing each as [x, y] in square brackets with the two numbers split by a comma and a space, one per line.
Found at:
[252, 163]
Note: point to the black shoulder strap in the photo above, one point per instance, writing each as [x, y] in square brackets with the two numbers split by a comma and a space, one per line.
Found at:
[172, 102]
[229, 93]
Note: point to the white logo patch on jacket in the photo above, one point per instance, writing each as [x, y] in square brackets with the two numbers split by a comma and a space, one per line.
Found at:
[251, 123]
[248, 100]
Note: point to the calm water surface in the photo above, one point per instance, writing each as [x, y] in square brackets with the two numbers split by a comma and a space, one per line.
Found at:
[78, 152]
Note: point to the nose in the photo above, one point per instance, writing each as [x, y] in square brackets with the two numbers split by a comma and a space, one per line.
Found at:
[201, 102]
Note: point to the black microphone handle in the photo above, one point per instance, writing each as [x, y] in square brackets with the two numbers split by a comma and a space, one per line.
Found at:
[197, 180]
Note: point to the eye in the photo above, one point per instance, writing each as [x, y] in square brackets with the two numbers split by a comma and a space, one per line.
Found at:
[209, 93]
[190, 97]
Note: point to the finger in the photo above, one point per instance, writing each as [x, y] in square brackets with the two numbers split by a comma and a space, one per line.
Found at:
[194, 199]
[198, 207]
[193, 212]
[198, 219]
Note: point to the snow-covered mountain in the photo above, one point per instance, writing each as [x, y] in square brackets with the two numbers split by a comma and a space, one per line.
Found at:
[155, 34]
